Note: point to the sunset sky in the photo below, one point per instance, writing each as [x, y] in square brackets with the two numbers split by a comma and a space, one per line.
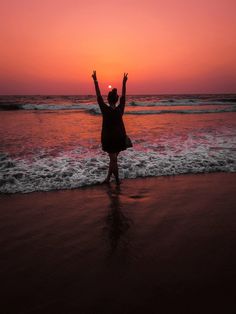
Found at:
[166, 46]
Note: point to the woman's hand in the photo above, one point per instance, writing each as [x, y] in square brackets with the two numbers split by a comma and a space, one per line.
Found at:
[94, 76]
[98, 93]
[125, 78]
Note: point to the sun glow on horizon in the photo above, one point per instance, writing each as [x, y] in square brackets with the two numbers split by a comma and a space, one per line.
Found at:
[166, 46]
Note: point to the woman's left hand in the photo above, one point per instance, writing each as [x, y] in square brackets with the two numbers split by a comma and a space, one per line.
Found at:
[94, 76]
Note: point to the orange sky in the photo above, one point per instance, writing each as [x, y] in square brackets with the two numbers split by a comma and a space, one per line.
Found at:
[166, 46]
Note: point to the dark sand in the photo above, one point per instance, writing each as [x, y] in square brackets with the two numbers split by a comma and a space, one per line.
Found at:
[156, 245]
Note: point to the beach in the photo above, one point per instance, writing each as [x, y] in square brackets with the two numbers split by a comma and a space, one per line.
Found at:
[54, 142]
[117, 157]
[162, 242]
[153, 245]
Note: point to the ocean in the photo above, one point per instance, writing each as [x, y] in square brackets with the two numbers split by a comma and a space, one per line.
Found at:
[53, 142]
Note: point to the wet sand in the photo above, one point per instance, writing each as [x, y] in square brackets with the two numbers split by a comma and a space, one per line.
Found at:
[154, 245]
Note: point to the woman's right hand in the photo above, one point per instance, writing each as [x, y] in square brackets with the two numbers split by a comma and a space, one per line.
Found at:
[125, 78]
[94, 76]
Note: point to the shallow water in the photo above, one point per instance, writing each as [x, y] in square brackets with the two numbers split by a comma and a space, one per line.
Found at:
[56, 148]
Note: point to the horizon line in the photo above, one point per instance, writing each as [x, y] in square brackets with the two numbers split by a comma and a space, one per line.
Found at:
[143, 94]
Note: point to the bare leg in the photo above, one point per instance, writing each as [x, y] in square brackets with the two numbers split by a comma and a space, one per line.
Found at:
[107, 180]
[113, 168]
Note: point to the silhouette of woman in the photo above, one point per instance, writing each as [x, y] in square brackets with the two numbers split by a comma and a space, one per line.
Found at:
[113, 136]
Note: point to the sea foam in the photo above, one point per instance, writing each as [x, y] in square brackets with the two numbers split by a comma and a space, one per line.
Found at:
[95, 110]
[69, 171]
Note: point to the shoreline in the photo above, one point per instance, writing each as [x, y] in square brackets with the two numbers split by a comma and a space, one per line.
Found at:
[156, 244]
[112, 182]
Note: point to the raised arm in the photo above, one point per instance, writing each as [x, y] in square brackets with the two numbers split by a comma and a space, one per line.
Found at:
[122, 99]
[94, 76]
[98, 93]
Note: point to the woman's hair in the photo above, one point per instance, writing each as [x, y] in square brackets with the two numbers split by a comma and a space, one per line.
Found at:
[113, 96]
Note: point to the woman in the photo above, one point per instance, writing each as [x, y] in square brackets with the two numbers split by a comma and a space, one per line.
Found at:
[114, 138]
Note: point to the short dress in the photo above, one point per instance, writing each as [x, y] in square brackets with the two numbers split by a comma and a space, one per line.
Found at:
[113, 135]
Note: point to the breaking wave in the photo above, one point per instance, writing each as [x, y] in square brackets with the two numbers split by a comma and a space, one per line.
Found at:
[136, 104]
[68, 171]
[96, 111]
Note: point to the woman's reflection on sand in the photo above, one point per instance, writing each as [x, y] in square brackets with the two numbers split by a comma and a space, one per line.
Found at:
[117, 224]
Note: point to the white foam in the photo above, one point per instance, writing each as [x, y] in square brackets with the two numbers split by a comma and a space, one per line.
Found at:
[69, 171]
[96, 110]
[181, 111]
[58, 107]
[180, 102]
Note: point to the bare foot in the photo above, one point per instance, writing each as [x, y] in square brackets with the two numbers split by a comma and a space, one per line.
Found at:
[118, 182]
